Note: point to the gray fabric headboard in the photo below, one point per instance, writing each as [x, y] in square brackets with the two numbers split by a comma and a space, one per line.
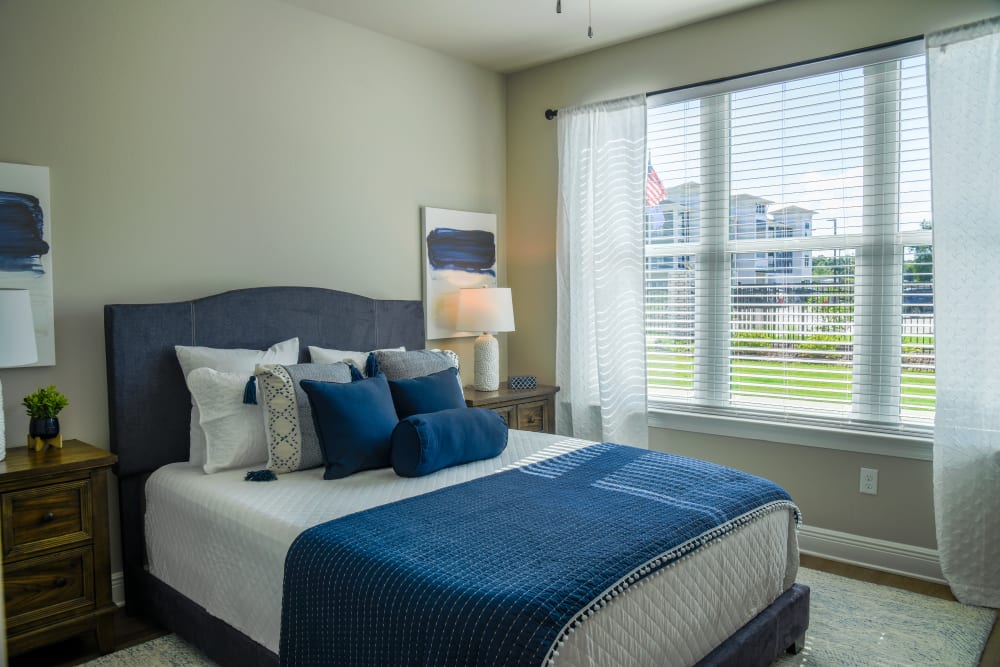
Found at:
[148, 402]
[149, 405]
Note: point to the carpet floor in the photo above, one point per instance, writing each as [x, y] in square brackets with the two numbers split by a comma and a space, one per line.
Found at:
[852, 624]
[856, 624]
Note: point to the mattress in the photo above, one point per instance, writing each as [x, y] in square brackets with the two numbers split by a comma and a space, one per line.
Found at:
[221, 542]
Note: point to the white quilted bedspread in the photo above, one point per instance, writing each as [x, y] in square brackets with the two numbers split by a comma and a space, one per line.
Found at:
[222, 542]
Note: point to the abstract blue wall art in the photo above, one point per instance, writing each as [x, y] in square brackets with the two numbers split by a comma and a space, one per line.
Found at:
[471, 250]
[21, 233]
[26, 246]
[460, 250]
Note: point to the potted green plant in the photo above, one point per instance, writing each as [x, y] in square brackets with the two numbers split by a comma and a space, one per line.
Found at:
[43, 406]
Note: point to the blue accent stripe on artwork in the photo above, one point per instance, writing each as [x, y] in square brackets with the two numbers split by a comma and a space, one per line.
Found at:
[21, 241]
[469, 250]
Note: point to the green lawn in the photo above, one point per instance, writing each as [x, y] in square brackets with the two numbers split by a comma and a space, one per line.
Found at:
[788, 379]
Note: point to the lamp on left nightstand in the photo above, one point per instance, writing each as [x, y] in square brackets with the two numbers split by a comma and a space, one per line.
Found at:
[17, 340]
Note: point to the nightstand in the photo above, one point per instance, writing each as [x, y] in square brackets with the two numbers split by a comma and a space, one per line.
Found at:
[54, 535]
[524, 409]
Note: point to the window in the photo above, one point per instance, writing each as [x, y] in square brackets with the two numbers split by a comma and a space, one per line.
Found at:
[799, 285]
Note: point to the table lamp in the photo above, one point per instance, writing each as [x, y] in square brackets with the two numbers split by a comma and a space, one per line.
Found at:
[17, 340]
[489, 310]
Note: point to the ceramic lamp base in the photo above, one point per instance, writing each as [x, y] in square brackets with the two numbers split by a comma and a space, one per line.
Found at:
[487, 373]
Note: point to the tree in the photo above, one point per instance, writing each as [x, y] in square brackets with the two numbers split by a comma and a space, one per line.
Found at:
[824, 265]
[918, 267]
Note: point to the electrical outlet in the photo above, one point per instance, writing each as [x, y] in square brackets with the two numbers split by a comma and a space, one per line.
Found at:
[869, 481]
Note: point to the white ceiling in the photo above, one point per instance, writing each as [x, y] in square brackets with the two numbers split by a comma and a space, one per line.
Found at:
[508, 35]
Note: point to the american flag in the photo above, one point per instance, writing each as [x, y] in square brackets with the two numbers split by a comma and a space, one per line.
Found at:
[655, 192]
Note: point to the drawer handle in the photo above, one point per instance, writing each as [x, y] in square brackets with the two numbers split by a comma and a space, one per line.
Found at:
[531, 420]
[48, 517]
[60, 582]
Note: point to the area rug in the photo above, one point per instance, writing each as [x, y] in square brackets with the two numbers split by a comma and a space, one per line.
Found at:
[852, 624]
[166, 651]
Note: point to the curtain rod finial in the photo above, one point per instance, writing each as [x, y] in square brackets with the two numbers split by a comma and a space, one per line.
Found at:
[550, 114]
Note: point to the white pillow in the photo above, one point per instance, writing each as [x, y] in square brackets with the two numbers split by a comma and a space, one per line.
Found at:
[234, 431]
[323, 355]
[227, 361]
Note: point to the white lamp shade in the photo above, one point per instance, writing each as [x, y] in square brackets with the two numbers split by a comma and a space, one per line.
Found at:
[486, 309]
[17, 329]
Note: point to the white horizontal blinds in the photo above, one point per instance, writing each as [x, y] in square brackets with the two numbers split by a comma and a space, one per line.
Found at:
[711, 336]
[672, 234]
[812, 200]
[796, 152]
[917, 386]
[792, 347]
[670, 326]
[878, 322]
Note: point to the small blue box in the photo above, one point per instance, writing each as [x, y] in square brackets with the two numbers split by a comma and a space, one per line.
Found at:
[522, 382]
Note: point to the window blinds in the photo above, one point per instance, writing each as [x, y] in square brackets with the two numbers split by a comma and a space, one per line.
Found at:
[789, 264]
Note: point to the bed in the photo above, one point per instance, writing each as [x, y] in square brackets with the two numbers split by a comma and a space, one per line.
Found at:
[184, 578]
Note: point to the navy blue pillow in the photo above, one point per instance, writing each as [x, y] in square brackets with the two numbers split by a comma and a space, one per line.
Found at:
[425, 443]
[428, 393]
[354, 423]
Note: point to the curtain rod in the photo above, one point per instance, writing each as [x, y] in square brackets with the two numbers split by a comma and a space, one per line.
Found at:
[550, 114]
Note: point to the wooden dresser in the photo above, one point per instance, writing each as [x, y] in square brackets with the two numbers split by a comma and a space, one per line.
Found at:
[54, 535]
[524, 409]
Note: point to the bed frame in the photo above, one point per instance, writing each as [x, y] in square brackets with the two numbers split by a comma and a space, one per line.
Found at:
[149, 410]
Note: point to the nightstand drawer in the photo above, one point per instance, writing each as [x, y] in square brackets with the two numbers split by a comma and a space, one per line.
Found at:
[46, 516]
[38, 588]
[524, 409]
[531, 416]
[54, 531]
[508, 414]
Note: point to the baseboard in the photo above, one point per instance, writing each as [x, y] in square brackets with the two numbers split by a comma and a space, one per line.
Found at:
[118, 588]
[894, 557]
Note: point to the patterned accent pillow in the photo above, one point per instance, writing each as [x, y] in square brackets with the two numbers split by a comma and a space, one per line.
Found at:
[292, 442]
[324, 355]
[401, 365]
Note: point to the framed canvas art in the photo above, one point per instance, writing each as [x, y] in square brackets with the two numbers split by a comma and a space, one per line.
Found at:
[26, 246]
[460, 250]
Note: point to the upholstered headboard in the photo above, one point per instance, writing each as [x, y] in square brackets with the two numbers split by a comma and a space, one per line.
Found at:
[149, 405]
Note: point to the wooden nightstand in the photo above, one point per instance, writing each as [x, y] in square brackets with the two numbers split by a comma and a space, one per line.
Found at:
[54, 535]
[524, 409]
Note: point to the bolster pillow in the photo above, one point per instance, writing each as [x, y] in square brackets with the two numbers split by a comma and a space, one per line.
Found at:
[425, 443]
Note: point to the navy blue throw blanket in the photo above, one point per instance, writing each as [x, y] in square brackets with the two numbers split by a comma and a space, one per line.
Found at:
[496, 571]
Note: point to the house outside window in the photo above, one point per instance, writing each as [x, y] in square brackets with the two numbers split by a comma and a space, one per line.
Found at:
[805, 240]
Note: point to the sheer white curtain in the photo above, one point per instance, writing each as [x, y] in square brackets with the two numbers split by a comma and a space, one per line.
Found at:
[600, 336]
[963, 66]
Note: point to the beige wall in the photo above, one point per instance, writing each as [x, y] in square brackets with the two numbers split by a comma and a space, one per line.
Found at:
[197, 146]
[825, 483]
